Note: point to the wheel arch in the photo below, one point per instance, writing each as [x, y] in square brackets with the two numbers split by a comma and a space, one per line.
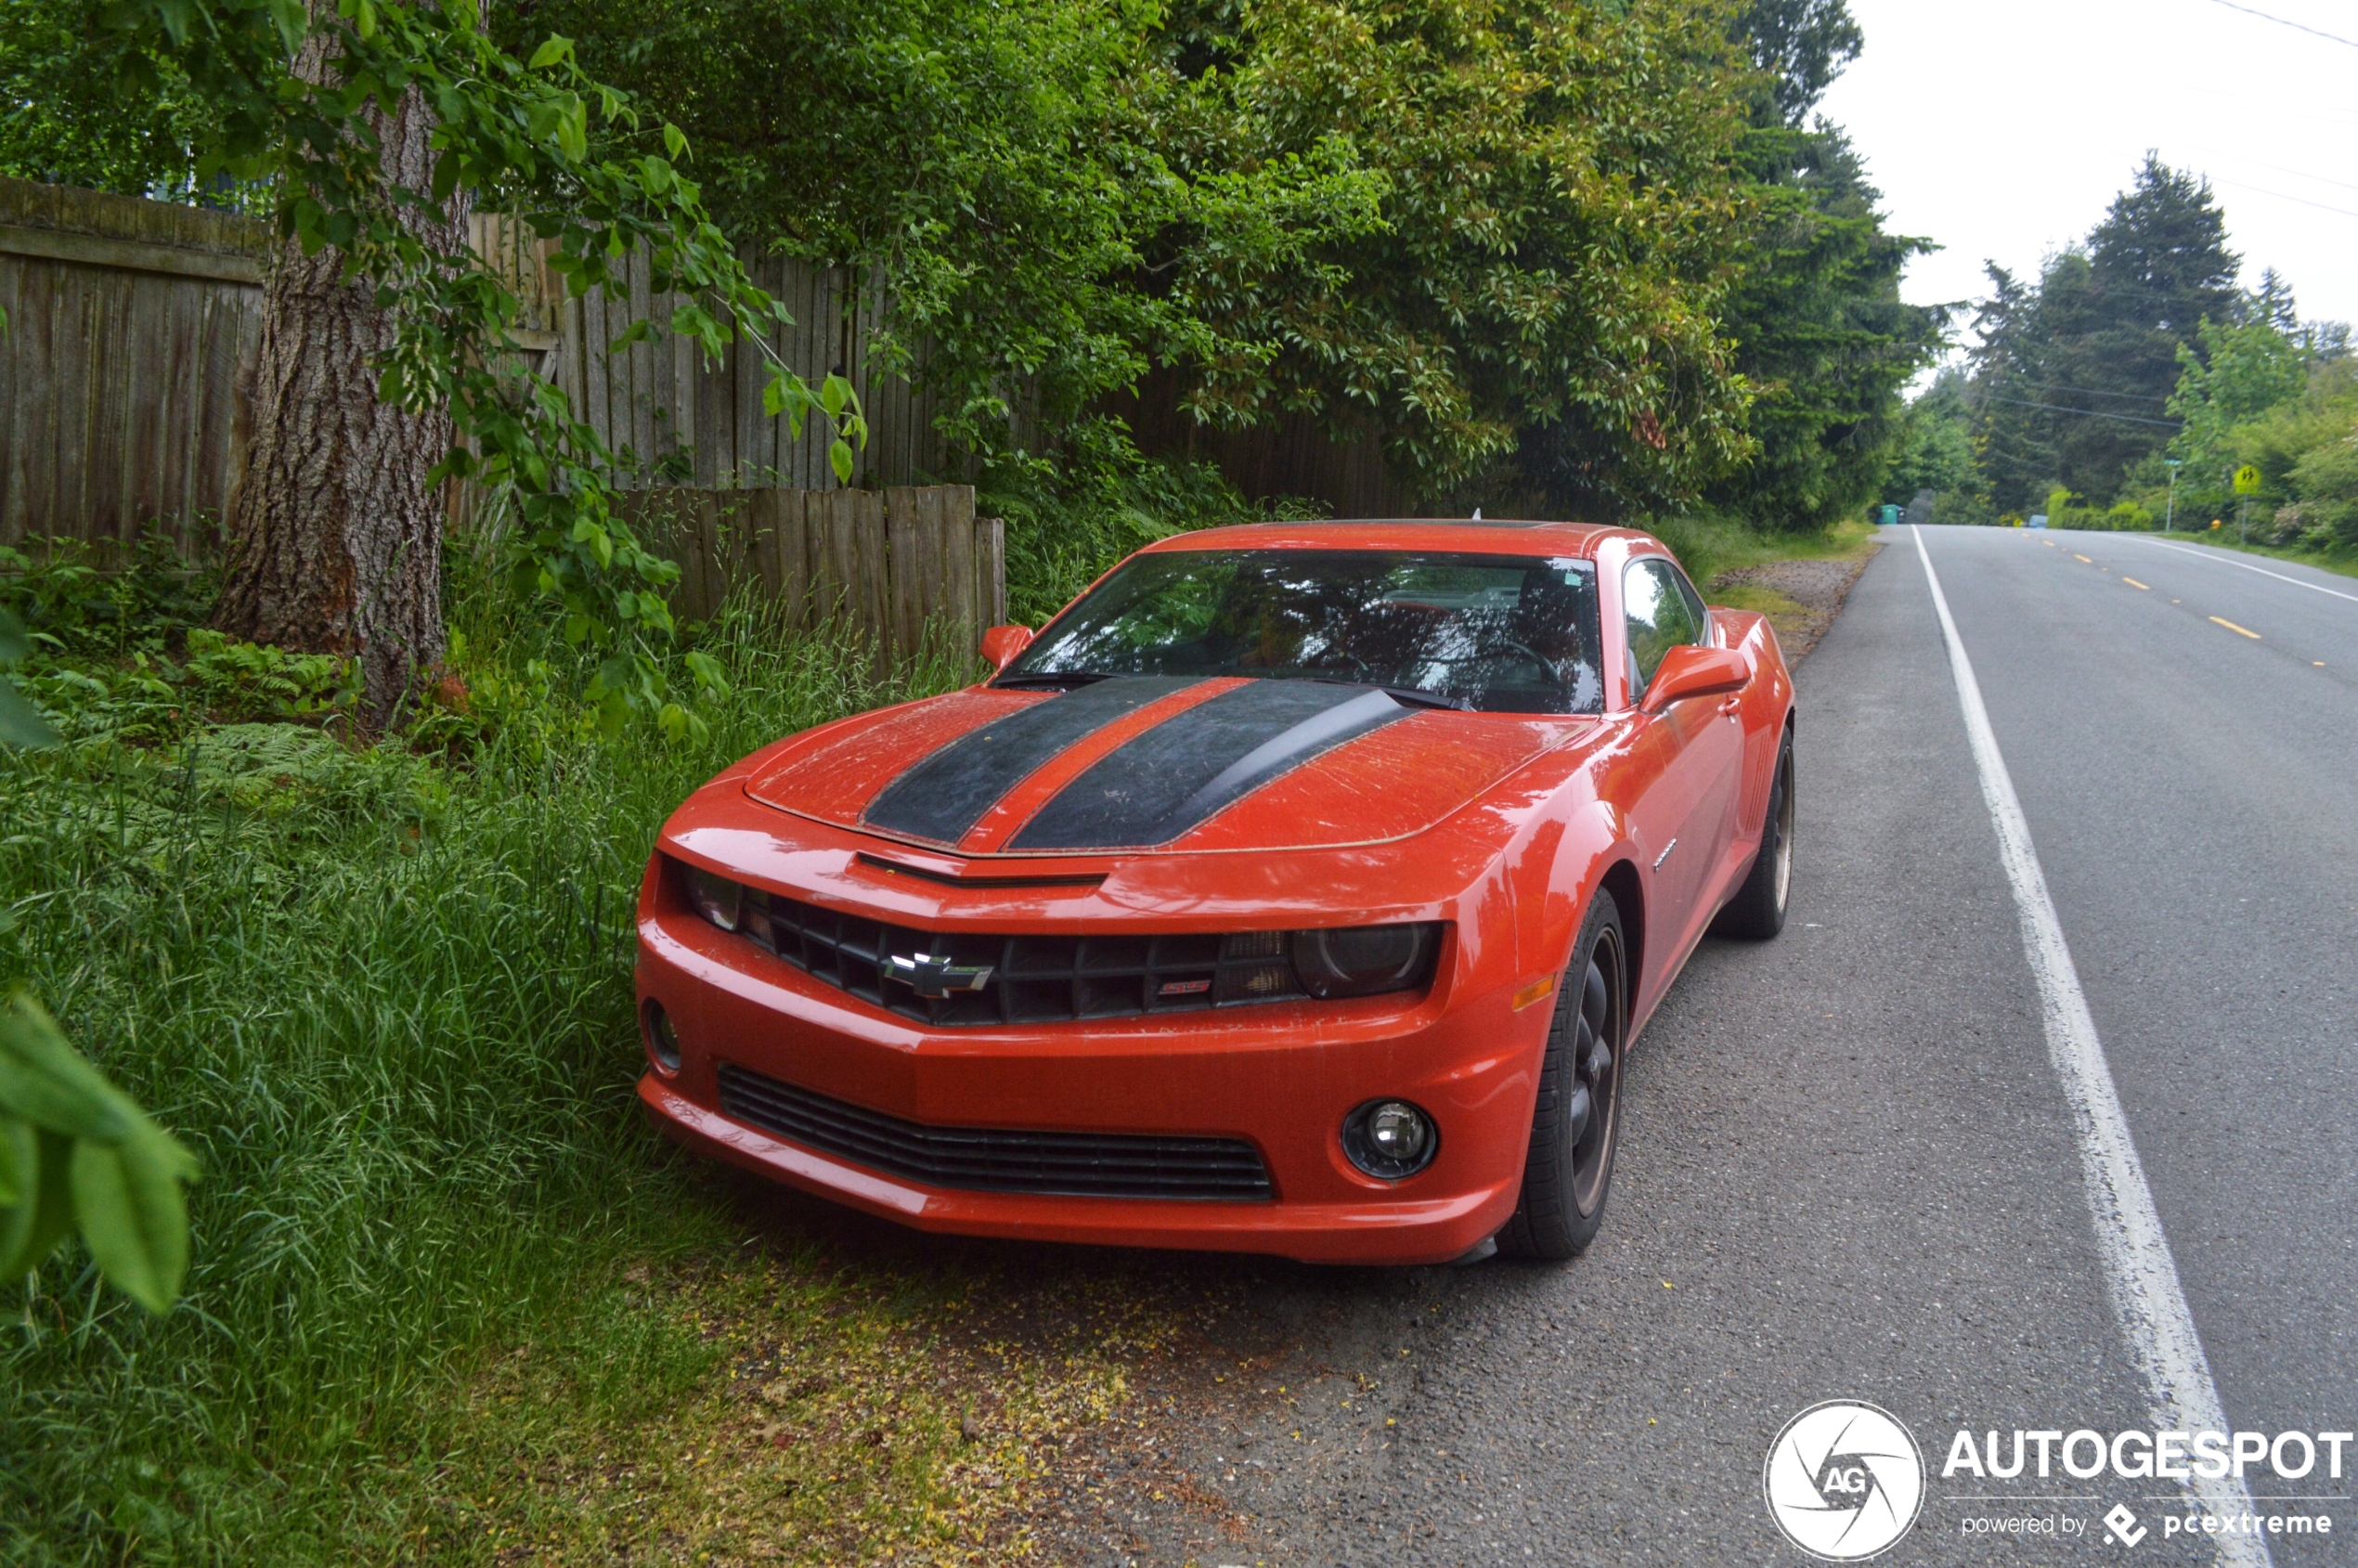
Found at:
[1628, 897]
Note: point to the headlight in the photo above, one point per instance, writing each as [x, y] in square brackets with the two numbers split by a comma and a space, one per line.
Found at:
[716, 898]
[1364, 960]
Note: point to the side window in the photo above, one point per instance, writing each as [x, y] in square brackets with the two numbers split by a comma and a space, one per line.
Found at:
[1661, 612]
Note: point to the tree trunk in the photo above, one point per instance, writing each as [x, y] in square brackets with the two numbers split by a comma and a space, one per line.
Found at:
[335, 538]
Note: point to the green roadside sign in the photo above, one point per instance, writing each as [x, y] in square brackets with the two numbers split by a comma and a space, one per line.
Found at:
[2247, 481]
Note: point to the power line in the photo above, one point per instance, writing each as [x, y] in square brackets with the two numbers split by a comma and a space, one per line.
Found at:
[2083, 413]
[2282, 169]
[2282, 197]
[2056, 386]
[2298, 27]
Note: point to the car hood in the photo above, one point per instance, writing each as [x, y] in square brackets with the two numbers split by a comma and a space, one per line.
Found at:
[1151, 763]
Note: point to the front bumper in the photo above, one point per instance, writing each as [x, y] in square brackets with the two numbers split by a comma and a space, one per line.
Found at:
[1281, 1076]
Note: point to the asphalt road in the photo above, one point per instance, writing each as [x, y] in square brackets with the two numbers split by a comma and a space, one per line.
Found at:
[1850, 1170]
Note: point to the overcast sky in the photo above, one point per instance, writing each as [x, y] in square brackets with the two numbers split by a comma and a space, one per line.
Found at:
[2001, 130]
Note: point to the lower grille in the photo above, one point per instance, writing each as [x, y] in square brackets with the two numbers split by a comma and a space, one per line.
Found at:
[980, 1159]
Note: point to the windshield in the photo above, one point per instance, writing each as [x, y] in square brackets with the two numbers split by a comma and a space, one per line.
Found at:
[1505, 634]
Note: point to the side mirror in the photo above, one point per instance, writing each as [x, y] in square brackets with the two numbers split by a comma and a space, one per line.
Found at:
[1002, 643]
[1689, 671]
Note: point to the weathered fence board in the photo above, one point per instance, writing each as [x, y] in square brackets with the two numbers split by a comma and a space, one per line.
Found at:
[662, 401]
[132, 331]
[900, 569]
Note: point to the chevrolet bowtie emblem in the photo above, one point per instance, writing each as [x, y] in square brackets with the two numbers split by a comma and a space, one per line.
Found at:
[935, 977]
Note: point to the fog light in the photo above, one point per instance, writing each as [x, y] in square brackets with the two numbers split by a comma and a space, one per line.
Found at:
[663, 1041]
[1390, 1139]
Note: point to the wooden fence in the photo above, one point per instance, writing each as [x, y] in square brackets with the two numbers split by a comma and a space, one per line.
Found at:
[133, 325]
[901, 568]
[131, 334]
[661, 399]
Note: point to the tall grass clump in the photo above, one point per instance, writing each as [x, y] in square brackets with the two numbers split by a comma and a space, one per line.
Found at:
[384, 992]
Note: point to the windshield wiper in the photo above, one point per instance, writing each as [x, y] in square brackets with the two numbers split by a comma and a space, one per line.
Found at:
[1054, 678]
[1417, 697]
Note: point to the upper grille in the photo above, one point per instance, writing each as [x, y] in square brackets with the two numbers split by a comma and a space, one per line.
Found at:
[1073, 1164]
[1034, 980]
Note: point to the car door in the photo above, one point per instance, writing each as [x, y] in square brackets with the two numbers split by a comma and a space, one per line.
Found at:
[1685, 817]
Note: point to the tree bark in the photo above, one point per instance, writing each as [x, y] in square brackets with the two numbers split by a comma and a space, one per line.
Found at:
[335, 538]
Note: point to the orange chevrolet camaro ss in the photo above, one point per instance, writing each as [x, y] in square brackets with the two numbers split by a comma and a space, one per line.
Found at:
[1299, 888]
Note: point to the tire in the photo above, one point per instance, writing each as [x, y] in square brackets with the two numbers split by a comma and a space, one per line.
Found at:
[1576, 1125]
[1757, 912]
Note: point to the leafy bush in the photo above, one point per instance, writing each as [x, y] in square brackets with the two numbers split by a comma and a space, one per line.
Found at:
[60, 588]
[2327, 480]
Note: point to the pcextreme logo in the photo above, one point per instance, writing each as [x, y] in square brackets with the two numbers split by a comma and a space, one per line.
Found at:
[1844, 1481]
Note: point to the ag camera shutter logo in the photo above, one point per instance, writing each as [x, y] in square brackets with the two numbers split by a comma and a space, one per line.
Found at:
[1844, 1481]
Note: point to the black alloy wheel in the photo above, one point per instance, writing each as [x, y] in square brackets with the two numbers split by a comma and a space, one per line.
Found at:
[1575, 1124]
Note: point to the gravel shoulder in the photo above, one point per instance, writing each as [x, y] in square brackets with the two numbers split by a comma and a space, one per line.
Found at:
[1811, 591]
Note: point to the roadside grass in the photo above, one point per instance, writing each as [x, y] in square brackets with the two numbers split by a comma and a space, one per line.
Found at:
[1708, 545]
[451, 1301]
[2339, 559]
[1788, 615]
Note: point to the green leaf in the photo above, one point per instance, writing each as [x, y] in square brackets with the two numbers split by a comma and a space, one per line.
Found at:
[707, 670]
[132, 1215]
[675, 141]
[557, 48]
[19, 1164]
[573, 131]
[292, 20]
[30, 1232]
[44, 1080]
[839, 459]
[834, 394]
[21, 723]
[364, 18]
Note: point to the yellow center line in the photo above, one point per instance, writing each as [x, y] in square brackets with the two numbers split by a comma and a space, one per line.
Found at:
[2077, 556]
[2135, 583]
[2233, 628]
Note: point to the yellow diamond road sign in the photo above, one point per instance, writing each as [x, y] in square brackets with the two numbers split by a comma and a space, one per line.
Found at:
[2247, 481]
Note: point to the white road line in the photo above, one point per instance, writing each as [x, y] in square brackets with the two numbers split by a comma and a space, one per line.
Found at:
[2218, 560]
[2139, 1273]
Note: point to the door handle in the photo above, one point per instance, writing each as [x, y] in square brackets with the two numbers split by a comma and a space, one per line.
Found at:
[1731, 707]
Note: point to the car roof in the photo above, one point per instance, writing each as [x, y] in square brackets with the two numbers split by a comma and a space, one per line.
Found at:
[1476, 535]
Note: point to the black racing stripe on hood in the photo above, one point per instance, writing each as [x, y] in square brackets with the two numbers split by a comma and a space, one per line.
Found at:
[1192, 764]
[945, 795]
